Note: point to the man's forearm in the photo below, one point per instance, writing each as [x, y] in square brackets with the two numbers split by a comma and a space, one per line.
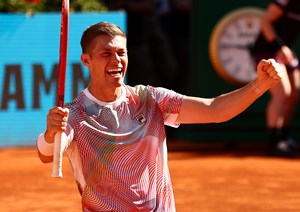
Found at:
[231, 104]
[45, 149]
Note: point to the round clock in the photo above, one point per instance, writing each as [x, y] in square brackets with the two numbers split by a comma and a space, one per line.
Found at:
[231, 42]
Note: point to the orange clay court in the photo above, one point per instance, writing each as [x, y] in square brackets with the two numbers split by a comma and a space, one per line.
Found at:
[206, 179]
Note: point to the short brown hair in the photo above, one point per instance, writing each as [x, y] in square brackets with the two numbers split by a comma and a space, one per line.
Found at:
[101, 28]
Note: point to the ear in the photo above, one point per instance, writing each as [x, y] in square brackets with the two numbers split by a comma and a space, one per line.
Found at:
[85, 59]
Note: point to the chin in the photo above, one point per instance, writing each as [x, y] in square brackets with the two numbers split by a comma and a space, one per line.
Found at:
[119, 83]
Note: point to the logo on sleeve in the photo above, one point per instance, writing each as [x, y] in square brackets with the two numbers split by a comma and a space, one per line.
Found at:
[141, 118]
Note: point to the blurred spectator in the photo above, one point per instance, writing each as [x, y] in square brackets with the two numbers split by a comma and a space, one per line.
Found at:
[149, 51]
[280, 27]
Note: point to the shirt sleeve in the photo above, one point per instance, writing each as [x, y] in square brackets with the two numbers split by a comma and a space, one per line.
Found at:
[170, 103]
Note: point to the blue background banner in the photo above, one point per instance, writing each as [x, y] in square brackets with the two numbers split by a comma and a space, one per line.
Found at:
[29, 56]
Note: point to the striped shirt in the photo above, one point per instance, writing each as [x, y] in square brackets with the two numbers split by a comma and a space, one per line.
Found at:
[118, 150]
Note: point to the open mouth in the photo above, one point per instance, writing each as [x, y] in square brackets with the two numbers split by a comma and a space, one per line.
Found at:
[115, 72]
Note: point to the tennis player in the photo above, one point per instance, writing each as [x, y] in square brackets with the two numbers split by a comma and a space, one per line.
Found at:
[116, 132]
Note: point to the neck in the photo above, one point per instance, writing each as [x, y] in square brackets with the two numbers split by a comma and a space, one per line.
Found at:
[107, 94]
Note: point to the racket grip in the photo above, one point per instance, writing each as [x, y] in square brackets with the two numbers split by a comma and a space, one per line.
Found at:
[59, 146]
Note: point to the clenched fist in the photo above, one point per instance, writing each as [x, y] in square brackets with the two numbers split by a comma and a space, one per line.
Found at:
[269, 73]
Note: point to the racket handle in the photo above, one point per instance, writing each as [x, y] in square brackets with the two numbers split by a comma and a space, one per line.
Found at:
[59, 146]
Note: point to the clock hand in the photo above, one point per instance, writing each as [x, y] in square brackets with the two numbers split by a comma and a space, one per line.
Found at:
[248, 47]
[236, 46]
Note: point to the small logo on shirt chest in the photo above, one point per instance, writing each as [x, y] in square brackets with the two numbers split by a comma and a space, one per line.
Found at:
[141, 118]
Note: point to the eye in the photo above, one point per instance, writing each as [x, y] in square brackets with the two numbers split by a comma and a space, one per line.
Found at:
[105, 54]
[122, 53]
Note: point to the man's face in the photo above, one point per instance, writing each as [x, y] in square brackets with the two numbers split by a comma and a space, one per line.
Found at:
[107, 61]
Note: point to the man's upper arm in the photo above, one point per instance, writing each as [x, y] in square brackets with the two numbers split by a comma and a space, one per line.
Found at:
[195, 110]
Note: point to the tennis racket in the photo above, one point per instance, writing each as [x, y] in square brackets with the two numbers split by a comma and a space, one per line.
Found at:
[60, 138]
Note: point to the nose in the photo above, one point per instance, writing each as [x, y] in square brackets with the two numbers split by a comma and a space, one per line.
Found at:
[116, 57]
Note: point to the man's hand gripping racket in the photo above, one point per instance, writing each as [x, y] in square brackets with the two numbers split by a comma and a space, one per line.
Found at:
[60, 138]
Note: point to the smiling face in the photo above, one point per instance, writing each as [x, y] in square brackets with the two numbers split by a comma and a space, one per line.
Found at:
[107, 61]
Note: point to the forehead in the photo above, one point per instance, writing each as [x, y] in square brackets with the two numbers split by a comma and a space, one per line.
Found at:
[107, 42]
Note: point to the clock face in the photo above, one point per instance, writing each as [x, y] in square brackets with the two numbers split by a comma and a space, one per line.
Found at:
[231, 42]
